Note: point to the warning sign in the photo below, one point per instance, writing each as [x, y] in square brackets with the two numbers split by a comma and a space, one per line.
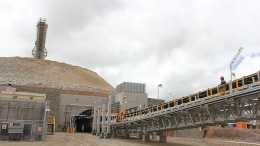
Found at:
[4, 126]
[39, 129]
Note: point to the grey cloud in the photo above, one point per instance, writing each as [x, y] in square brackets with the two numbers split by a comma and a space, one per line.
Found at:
[185, 45]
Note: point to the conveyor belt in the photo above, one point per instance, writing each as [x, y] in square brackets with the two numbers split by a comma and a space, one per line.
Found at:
[207, 107]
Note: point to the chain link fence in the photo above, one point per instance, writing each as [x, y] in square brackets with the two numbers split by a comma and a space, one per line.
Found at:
[22, 120]
[22, 130]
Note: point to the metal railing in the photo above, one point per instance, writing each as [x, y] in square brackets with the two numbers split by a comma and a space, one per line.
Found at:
[221, 90]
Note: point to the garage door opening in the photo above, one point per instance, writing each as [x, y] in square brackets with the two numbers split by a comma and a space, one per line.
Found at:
[83, 121]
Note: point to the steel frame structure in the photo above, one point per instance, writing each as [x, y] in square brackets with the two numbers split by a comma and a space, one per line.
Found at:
[205, 108]
[39, 51]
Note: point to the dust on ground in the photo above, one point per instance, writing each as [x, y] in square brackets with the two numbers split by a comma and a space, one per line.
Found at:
[85, 139]
[235, 134]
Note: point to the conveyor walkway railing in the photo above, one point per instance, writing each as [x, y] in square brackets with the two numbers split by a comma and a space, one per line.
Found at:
[208, 107]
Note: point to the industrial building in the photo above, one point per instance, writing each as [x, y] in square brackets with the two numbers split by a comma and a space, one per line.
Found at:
[75, 110]
[130, 95]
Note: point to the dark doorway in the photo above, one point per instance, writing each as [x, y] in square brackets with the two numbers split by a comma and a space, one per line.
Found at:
[84, 121]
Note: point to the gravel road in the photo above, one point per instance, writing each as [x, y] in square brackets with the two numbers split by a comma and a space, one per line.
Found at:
[83, 139]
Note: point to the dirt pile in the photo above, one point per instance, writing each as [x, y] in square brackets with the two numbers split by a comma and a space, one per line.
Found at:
[51, 74]
[249, 135]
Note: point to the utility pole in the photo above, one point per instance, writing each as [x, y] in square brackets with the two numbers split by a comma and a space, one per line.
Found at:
[160, 85]
[171, 96]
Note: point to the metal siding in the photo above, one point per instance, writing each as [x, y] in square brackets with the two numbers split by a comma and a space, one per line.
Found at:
[128, 87]
[139, 88]
[135, 84]
[133, 88]
[122, 87]
[125, 87]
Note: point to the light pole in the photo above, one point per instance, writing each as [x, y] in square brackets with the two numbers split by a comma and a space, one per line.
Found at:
[231, 65]
[160, 85]
[171, 96]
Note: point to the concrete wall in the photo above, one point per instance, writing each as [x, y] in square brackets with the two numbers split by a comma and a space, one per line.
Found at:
[7, 88]
[131, 99]
[66, 99]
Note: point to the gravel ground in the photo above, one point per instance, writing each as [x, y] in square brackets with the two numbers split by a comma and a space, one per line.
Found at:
[83, 139]
[235, 134]
[52, 74]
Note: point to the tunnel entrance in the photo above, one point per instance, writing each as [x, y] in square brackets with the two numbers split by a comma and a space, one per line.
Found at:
[83, 121]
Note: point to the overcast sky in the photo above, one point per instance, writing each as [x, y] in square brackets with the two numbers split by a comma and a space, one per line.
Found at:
[186, 45]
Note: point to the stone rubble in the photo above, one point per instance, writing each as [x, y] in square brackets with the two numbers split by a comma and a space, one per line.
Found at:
[51, 74]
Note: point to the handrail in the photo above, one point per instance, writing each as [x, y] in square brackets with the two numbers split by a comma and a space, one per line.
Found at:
[239, 84]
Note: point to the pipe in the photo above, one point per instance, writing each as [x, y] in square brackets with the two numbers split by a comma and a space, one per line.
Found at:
[65, 117]
[94, 123]
[103, 118]
[98, 121]
[109, 116]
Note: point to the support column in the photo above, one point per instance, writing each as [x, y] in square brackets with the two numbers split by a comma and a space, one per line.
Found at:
[94, 123]
[162, 137]
[103, 118]
[109, 117]
[127, 135]
[154, 135]
[98, 121]
[145, 136]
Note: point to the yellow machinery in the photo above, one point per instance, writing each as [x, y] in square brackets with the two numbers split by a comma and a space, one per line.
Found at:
[51, 125]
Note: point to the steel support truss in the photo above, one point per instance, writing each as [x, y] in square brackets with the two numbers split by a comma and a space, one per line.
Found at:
[231, 108]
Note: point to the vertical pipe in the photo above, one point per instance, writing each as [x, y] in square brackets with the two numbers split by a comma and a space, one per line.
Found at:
[258, 76]
[94, 123]
[65, 117]
[253, 79]
[7, 116]
[109, 116]
[103, 118]
[98, 121]
[243, 81]
[44, 122]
